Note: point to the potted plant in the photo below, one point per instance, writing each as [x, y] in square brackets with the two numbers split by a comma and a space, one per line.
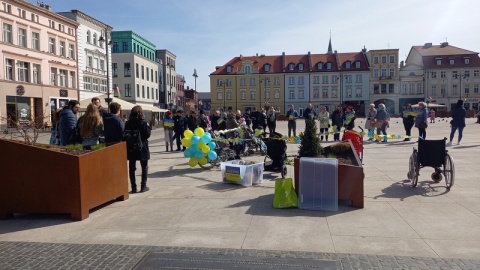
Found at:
[350, 170]
[39, 178]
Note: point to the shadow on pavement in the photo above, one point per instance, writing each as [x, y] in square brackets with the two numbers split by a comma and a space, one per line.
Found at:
[402, 190]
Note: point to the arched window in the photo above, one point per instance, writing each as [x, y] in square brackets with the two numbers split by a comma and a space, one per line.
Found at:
[229, 68]
[88, 37]
[348, 64]
[267, 67]
[291, 66]
[329, 65]
[300, 66]
[320, 65]
[357, 64]
[248, 69]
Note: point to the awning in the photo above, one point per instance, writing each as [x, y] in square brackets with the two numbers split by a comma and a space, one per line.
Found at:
[431, 105]
[126, 106]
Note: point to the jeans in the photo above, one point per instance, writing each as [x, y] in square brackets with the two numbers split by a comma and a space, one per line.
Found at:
[383, 130]
[422, 132]
[89, 142]
[292, 126]
[132, 167]
[460, 133]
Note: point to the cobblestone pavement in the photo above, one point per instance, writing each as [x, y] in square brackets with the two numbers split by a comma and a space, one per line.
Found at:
[28, 255]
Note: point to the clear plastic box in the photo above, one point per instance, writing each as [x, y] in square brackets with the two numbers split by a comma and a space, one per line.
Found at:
[242, 172]
[318, 184]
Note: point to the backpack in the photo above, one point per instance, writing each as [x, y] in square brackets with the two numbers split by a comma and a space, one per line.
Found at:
[133, 139]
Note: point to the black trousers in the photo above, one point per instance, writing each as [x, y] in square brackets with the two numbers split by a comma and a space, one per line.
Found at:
[408, 128]
[178, 136]
[292, 126]
[132, 167]
[422, 132]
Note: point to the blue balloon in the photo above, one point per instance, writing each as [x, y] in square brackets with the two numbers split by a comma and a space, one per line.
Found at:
[205, 138]
[187, 153]
[212, 145]
[212, 155]
[199, 154]
[195, 139]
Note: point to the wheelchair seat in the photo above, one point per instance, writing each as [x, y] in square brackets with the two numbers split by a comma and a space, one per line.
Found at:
[432, 152]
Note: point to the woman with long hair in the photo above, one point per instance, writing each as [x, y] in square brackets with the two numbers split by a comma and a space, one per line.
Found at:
[458, 122]
[91, 126]
[136, 124]
[421, 120]
[271, 119]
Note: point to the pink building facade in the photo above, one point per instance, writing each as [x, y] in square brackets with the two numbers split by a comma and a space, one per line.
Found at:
[39, 71]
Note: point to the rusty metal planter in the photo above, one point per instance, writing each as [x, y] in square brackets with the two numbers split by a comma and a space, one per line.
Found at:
[39, 180]
[350, 180]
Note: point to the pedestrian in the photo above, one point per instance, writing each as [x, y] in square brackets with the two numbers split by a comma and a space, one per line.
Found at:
[432, 116]
[202, 120]
[91, 126]
[238, 115]
[68, 122]
[231, 121]
[381, 122]
[337, 122]
[262, 119]
[216, 119]
[168, 124]
[114, 126]
[98, 103]
[192, 121]
[349, 118]
[248, 119]
[271, 120]
[309, 113]
[136, 121]
[458, 122]
[179, 126]
[254, 115]
[324, 118]
[408, 121]
[421, 120]
[292, 116]
[55, 132]
[369, 124]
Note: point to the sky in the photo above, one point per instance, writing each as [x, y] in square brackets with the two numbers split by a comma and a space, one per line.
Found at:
[204, 34]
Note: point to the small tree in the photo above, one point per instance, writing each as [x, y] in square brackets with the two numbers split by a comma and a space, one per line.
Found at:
[27, 130]
[310, 144]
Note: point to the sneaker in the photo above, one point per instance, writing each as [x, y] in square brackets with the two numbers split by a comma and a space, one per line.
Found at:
[459, 143]
[144, 189]
[449, 143]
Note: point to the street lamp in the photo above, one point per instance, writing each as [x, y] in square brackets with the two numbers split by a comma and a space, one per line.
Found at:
[107, 43]
[459, 76]
[170, 81]
[195, 76]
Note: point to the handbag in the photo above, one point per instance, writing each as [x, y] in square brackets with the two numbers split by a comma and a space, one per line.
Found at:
[423, 125]
[75, 138]
[284, 196]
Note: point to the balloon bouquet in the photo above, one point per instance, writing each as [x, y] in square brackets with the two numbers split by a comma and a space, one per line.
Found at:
[200, 147]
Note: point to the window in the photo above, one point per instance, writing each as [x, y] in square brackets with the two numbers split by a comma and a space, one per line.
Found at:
[7, 8]
[90, 62]
[316, 79]
[252, 81]
[316, 92]
[301, 94]
[115, 47]
[136, 70]
[62, 48]
[384, 59]
[392, 72]
[443, 88]
[291, 66]
[277, 80]
[252, 94]
[475, 88]
[319, 65]
[392, 59]
[7, 33]
[419, 88]
[267, 67]
[467, 61]
[143, 73]
[334, 92]
[443, 74]
[325, 92]
[348, 64]
[71, 51]
[94, 39]
[125, 46]
[228, 95]
[35, 41]
[433, 74]
[455, 74]
[89, 37]
[334, 79]
[95, 84]
[476, 74]
[276, 92]
[434, 90]
[126, 69]
[383, 88]
[348, 78]
[247, 69]
[36, 73]
[439, 62]
[358, 78]
[62, 78]
[102, 65]
[148, 92]
[151, 74]
[156, 76]
[87, 83]
[243, 82]
[23, 71]
[300, 66]
[229, 82]
[291, 94]
[138, 90]
[219, 95]
[51, 45]
[452, 62]
[329, 65]
[376, 89]
[72, 79]
[391, 88]
[324, 79]
[349, 92]
[467, 89]
[454, 89]
[22, 37]
[404, 88]
[291, 80]
[9, 69]
[375, 73]
[384, 72]
[229, 69]
[411, 88]
[375, 60]
[243, 94]
[301, 80]
[95, 63]
[357, 64]
[143, 91]
[148, 73]
[466, 74]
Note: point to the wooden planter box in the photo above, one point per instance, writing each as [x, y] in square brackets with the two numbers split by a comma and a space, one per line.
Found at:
[350, 180]
[38, 180]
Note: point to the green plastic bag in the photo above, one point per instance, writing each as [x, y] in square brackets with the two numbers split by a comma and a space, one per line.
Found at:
[285, 196]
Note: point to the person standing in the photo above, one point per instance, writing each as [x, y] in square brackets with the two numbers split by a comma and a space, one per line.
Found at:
[136, 121]
[432, 116]
[309, 113]
[337, 122]
[408, 121]
[371, 114]
[168, 124]
[262, 119]
[458, 122]
[215, 119]
[254, 117]
[349, 118]
[324, 117]
[97, 102]
[91, 126]
[202, 120]
[179, 126]
[192, 121]
[271, 120]
[421, 120]
[113, 124]
[381, 122]
[68, 122]
[248, 119]
[292, 116]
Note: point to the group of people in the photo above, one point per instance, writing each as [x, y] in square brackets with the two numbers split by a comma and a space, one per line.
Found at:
[97, 123]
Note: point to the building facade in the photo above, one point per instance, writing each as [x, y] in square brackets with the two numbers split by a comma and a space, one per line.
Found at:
[134, 68]
[180, 86]
[92, 51]
[39, 72]
[169, 78]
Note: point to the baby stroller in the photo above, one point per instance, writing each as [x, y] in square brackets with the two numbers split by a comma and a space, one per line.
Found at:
[357, 141]
[277, 152]
[251, 142]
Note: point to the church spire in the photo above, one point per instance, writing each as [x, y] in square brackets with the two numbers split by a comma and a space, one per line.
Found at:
[330, 50]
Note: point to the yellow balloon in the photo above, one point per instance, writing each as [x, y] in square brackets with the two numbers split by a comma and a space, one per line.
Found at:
[188, 134]
[206, 149]
[186, 142]
[200, 145]
[203, 161]
[193, 162]
[199, 132]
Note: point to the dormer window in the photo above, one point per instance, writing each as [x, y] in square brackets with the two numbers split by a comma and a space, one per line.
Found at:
[266, 67]
[300, 66]
[439, 62]
[348, 64]
[357, 64]
[329, 65]
[452, 61]
[247, 69]
[229, 69]
[467, 61]
[291, 66]
[320, 65]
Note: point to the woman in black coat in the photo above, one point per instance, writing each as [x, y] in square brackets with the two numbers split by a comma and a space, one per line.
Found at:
[136, 121]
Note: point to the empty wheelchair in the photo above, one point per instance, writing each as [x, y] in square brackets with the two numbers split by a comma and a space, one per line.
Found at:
[432, 153]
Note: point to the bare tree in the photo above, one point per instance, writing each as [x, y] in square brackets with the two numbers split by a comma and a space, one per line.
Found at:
[22, 128]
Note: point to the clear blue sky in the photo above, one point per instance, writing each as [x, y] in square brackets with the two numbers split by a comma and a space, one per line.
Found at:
[208, 33]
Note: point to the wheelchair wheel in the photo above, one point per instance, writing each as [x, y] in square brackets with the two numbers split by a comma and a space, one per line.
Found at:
[449, 171]
[437, 176]
[413, 168]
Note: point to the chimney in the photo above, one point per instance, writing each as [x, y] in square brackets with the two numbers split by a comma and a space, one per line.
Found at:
[443, 44]
[48, 7]
[256, 55]
[401, 64]
[241, 57]
[427, 45]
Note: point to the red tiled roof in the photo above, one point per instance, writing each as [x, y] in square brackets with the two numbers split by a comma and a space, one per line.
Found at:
[438, 50]
[324, 58]
[430, 62]
[297, 59]
[352, 57]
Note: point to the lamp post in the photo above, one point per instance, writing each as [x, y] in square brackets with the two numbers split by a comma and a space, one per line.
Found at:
[459, 76]
[195, 76]
[107, 43]
[224, 83]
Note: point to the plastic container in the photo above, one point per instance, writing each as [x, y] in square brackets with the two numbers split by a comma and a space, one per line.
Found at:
[242, 172]
[318, 184]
